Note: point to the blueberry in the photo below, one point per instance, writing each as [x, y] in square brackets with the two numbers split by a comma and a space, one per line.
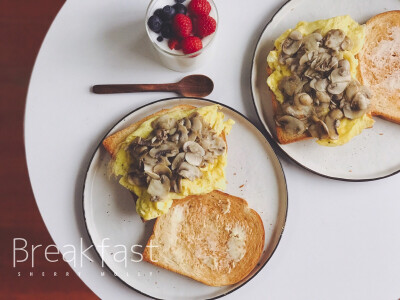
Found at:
[160, 38]
[179, 1]
[168, 12]
[180, 8]
[158, 12]
[155, 24]
[166, 30]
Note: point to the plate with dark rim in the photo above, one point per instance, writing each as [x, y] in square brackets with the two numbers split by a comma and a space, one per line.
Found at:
[118, 234]
[369, 156]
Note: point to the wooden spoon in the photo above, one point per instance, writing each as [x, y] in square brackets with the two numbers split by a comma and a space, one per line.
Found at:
[189, 86]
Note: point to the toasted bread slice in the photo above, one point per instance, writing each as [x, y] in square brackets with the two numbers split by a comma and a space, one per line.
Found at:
[282, 136]
[379, 64]
[112, 142]
[213, 238]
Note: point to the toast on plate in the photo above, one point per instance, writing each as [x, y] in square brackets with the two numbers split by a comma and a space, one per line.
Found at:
[213, 238]
[379, 66]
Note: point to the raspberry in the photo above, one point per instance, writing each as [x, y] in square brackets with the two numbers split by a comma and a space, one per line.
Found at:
[191, 44]
[205, 25]
[182, 25]
[173, 44]
[199, 7]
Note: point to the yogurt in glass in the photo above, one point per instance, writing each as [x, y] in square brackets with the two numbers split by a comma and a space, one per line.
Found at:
[175, 59]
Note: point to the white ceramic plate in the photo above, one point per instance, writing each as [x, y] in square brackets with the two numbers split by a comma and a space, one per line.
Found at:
[374, 154]
[253, 173]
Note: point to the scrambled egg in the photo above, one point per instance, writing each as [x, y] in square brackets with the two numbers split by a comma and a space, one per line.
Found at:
[213, 174]
[356, 32]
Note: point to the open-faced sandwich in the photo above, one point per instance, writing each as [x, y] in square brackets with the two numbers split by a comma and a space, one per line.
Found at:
[169, 155]
[313, 80]
[173, 163]
[328, 78]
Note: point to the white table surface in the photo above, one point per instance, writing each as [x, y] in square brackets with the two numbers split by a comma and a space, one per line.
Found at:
[341, 240]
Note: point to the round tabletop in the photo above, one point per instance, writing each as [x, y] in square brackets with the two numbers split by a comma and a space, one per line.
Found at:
[341, 239]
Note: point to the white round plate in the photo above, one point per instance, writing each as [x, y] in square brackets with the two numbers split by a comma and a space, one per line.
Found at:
[253, 173]
[373, 154]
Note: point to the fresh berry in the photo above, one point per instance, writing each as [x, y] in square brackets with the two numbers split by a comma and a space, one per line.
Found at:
[204, 26]
[160, 38]
[180, 8]
[158, 13]
[191, 44]
[166, 30]
[179, 1]
[199, 7]
[155, 24]
[173, 44]
[182, 25]
[168, 12]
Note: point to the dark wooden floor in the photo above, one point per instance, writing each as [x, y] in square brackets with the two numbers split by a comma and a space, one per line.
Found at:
[23, 25]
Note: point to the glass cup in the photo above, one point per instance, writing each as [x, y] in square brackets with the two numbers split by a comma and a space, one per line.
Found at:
[175, 59]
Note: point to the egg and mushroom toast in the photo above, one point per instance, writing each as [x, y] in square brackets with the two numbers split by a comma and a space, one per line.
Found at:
[169, 155]
[213, 238]
[379, 66]
[313, 81]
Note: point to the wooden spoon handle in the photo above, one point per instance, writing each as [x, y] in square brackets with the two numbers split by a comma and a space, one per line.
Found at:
[132, 88]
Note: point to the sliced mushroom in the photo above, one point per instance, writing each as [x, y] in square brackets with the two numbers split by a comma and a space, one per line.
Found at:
[319, 129]
[176, 185]
[193, 147]
[174, 138]
[357, 107]
[197, 125]
[161, 134]
[192, 136]
[302, 99]
[194, 159]
[146, 159]
[347, 44]
[311, 73]
[334, 38]
[178, 160]
[291, 84]
[322, 97]
[323, 62]
[142, 142]
[296, 35]
[319, 84]
[299, 112]
[311, 41]
[188, 171]
[158, 189]
[293, 43]
[352, 89]
[138, 150]
[183, 134]
[168, 149]
[217, 146]
[351, 114]
[332, 121]
[291, 125]
[340, 75]
[162, 169]
[148, 170]
[337, 88]
[360, 102]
